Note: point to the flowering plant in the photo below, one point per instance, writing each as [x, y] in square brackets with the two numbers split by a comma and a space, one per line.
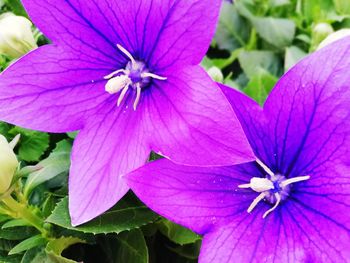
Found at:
[99, 88]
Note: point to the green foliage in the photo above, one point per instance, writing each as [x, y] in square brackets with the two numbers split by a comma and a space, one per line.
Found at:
[32, 144]
[118, 219]
[128, 247]
[57, 163]
[177, 234]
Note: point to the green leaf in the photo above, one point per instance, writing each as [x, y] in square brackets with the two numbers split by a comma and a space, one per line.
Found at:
[32, 144]
[292, 56]
[260, 85]
[34, 255]
[116, 220]
[127, 247]
[15, 223]
[233, 30]
[4, 129]
[342, 6]
[276, 31]
[17, 233]
[177, 233]
[57, 163]
[58, 245]
[251, 61]
[55, 248]
[27, 244]
[4, 218]
[16, 7]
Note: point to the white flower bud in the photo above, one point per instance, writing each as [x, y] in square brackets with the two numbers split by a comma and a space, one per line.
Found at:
[334, 37]
[216, 74]
[8, 164]
[319, 32]
[16, 37]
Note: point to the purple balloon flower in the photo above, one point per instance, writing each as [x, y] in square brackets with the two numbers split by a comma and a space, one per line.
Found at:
[126, 74]
[293, 203]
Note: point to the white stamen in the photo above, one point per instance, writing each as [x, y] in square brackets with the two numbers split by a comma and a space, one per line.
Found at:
[125, 72]
[123, 79]
[122, 95]
[153, 76]
[265, 185]
[278, 201]
[116, 84]
[256, 201]
[294, 180]
[138, 95]
[127, 53]
[266, 169]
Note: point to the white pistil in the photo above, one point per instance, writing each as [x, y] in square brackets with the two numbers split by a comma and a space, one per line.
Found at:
[116, 84]
[265, 185]
[120, 80]
[258, 184]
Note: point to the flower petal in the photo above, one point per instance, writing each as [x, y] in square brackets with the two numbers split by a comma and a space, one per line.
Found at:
[186, 31]
[189, 117]
[321, 208]
[308, 111]
[253, 121]
[254, 239]
[49, 90]
[290, 234]
[107, 148]
[196, 197]
[166, 32]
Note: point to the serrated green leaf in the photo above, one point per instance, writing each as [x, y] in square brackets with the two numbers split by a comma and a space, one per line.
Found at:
[15, 223]
[116, 220]
[177, 233]
[27, 244]
[32, 144]
[57, 163]
[276, 31]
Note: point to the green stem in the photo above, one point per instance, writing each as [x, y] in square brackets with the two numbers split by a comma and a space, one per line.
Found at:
[21, 211]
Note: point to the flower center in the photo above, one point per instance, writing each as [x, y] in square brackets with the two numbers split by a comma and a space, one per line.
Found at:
[134, 76]
[274, 188]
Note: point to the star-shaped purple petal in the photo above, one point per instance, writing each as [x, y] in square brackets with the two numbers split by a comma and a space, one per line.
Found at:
[125, 73]
[293, 203]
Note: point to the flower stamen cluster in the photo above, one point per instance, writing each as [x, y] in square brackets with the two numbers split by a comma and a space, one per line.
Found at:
[274, 188]
[135, 75]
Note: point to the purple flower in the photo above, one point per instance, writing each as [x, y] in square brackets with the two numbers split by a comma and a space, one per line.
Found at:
[125, 73]
[293, 203]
